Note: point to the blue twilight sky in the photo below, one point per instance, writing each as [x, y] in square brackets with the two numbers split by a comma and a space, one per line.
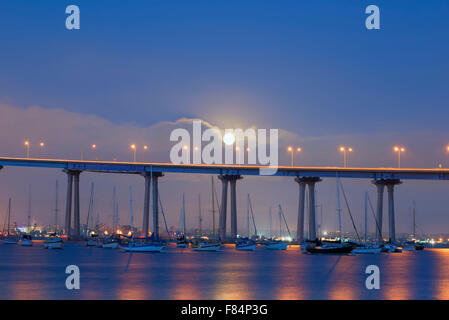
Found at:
[307, 67]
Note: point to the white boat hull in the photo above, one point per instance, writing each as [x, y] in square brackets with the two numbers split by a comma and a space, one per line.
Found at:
[113, 245]
[91, 243]
[148, 248]
[362, 250]
[53, 245]
[9, 241]
[26, 243]
[250, 247]
[208, 248]
[276, 246]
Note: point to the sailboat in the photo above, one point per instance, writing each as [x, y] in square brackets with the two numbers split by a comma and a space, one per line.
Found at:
[10, 238]
[278, 244]
[92, 237]
[246, 244]
[26, 240]
[181, 241]
[53, 241]
[317, 246]
[143, 244]
[367, 248]
[413, 245]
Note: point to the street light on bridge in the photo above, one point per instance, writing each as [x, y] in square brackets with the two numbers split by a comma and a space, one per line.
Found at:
[94, 147]
[133, 147]
[27, 146]
[345, 155]
[41, 145]
[291, 150]
[145, 148]
[399, 150]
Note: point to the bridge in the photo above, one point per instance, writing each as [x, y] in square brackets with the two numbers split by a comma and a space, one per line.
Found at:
[228, 175]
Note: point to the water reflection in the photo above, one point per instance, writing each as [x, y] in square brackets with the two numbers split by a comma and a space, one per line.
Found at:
[35, 273]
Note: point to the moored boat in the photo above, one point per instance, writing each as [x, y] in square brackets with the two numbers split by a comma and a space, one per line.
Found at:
[205, 245]
[275, 245]
[10, 239]
[110, 243]
[181, 242]
[92, 240]
[367, 250]
[143, 247]
[329, 249]
[245, 245]
[391, 248]
[53, 242]
[26, 241]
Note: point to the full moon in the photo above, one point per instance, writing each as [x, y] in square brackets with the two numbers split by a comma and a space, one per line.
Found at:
[228, 138]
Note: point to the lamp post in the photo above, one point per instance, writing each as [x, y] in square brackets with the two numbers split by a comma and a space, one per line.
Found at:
[41, 145]
[27, 146]
[237, 155]
[145, 148]
[399, 150]
[345, 155]
[292, 150]
[94, 147]
[133, 148]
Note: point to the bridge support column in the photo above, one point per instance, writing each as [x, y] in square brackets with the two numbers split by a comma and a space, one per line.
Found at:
[310, 182]
[68, 204]
[72, 179]
[76, 205]
[224, 205]
[156, 177]
[233, 184]
[300, 225]
[232, 179]
[147, 204]
[380, 184]
[390, 189]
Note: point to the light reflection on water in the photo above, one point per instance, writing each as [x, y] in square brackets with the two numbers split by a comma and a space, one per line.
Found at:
[35, 273]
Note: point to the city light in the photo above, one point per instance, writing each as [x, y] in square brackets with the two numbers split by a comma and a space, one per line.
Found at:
[345, 151]
[399, 150]
[27, 145]
[134, 149]
[291, 150]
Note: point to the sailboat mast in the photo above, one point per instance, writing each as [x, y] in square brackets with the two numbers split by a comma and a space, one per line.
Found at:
[183, 216]
[113, 209]
[29, 207]
[116, 216]
[56, 207]
[199, 213]
[414, 221]
[338, 207]
[252, 216]
[366, 215]
[9, 214]
[280, 223]
[131, 208]
[271, 223]
[247, 216]
[213, 206]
